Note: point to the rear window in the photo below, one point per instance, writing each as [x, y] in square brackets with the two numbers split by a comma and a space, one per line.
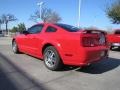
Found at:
[117, 32]
[69, 28]
[51, 29]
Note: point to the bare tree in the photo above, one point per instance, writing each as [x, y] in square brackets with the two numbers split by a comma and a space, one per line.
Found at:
[6, 18]
[47, 16]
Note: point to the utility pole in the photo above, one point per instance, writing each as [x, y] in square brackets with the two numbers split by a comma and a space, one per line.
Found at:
[7, 26]
[79, 11]
[40, 8]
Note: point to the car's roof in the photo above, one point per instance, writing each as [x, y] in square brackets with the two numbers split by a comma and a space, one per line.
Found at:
[45, 23]
[52, 23]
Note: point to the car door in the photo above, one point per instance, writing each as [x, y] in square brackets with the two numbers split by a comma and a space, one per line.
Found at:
[33, 39]
[22, 42]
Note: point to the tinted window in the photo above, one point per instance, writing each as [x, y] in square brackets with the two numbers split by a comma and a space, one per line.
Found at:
[68, 27]
[35, 29]
[51, 29]
[117, 32]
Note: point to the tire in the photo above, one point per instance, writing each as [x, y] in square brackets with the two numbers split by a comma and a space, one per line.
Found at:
[15, 47]
[52, 59]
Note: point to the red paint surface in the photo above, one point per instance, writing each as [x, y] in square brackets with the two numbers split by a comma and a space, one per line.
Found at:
[68, 44]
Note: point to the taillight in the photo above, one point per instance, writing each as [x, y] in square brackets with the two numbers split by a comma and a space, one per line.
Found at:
[88, 42]
[102, 40]
[91, 38]
[93, 41]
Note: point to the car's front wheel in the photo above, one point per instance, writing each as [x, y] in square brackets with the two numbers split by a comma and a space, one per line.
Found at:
[15, 47]
[52, 59]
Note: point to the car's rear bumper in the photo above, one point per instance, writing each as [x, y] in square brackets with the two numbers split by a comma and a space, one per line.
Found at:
[86, 56]
[88, 62]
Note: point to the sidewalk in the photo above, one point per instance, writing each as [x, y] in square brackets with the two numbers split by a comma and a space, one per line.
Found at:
[5, 40]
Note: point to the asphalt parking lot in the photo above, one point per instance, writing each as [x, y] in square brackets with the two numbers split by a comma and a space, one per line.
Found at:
[23, 72]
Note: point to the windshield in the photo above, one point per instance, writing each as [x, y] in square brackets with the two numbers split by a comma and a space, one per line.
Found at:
[68, 27]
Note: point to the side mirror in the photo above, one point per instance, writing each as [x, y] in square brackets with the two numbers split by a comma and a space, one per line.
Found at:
[25, 32]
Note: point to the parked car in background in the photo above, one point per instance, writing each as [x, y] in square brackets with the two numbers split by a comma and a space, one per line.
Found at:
[62, 44]
[1, 34]
[114, 39]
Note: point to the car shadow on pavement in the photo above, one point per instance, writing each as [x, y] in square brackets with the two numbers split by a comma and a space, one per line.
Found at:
[13, 78]
[101, 67]
[5, 82]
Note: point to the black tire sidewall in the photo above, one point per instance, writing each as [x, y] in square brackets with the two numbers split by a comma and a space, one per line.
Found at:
[58, 63]
[16, 50]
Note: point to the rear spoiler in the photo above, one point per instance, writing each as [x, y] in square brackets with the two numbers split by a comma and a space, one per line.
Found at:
[94, 31]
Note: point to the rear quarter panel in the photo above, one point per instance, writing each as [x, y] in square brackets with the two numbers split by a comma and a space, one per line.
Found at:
[65, 42]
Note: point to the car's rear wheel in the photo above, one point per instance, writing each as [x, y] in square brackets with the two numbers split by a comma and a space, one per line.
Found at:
[15, 47]
[52, 59]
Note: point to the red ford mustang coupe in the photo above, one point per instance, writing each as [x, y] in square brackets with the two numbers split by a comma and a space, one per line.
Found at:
[62, 44]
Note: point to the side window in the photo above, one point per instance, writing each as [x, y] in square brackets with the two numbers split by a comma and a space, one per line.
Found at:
[35, 29]
[51, 29]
